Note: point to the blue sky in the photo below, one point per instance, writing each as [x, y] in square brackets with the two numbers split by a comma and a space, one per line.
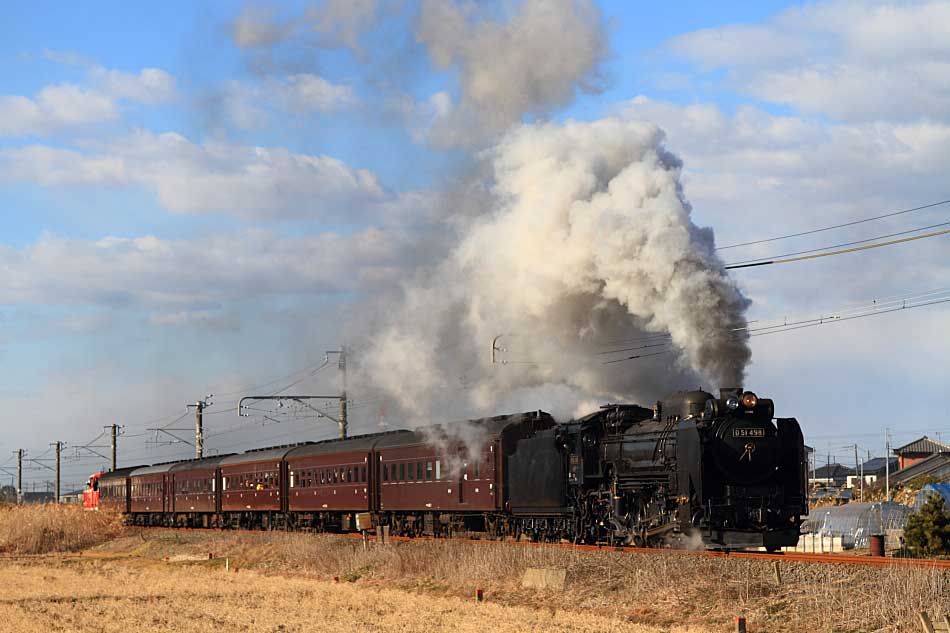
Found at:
[201, 197]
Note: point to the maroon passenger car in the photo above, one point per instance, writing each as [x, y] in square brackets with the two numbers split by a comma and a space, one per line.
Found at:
[333, 475]
[150, 494]
[196, 483]
[253, 486]
[114, 490]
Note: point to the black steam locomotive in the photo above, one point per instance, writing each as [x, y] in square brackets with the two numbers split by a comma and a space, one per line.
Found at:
[695, 471]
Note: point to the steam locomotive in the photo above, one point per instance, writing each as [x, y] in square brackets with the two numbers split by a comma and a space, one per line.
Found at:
[695, 470]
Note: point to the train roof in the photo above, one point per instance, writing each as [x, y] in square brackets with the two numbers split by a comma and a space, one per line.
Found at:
[120, 473]
[462, 429]
[157, 469]
[261, 454]
[354, 444]
[202, 464]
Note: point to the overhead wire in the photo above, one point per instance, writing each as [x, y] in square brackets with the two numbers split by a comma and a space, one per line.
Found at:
[867, 305]
[778, 259]
[807, 323]
[276, 380]
[836, 226]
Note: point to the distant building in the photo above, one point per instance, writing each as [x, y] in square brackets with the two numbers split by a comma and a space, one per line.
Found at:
[74, 496]
[873, 470]
[936, 466]
[38, 497]
[835, 475]
[919, 450]
[877, 466]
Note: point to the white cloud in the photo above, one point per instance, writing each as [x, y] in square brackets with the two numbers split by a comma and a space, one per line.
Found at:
[333, 22]
[252, 106]
[310, 93]
[252, 182]
[258, 26]
[172, 276]
[854, 61]
[55, 107]
[151, 85]
[204, 319]
[341, 22]
[68, 106]
[754, 175]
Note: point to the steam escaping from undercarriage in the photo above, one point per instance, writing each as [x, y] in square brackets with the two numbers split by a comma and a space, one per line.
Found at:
[587, 246]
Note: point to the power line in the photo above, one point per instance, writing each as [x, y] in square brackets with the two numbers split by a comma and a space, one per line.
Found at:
[847, 250]
[870, 239]
[857, 316]
[271, 382]
[868, 305]
[804, 324]
[836, 226]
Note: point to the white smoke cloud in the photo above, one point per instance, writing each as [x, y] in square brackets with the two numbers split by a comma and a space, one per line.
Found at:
[588, 240]
[532, 63]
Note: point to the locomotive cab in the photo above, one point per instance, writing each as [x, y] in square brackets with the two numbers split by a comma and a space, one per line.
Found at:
[90, 495]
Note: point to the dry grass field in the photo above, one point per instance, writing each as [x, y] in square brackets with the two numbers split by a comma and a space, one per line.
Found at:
[37, 529]
[162, 580]
[110, 597]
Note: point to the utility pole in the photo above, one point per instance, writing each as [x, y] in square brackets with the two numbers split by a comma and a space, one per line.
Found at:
[199, 431]
[859, 470]
[115, 435]
[887, 464]
[343, 421]
[200, 406]
[19, 476]
[59, 446]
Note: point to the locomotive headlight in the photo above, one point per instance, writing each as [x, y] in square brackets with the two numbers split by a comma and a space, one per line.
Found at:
[732, 403]
[749, 400]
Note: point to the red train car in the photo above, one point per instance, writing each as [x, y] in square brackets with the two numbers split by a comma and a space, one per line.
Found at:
[449, 478]
[329, 481]
[195, 487]
[253, 488]
[437, 481]
[114, 489]
[150, 494]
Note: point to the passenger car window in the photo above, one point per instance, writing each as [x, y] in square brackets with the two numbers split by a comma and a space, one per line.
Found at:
[402, 471]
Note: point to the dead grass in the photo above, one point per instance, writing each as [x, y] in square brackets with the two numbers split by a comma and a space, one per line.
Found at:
[42, 528]
[654, 589]
[113, 597]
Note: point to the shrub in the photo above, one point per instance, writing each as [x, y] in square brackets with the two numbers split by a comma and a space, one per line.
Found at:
[928, 531]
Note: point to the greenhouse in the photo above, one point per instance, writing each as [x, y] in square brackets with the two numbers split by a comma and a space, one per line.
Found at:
[856, 522]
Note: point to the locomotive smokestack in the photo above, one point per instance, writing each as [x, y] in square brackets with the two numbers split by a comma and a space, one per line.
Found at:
[725, 392]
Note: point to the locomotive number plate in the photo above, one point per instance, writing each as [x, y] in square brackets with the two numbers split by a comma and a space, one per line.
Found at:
[748, 432]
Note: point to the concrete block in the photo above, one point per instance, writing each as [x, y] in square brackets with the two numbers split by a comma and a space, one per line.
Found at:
[544, 578]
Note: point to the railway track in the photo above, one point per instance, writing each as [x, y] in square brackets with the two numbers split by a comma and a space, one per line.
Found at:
[839, 559]
[792, 557]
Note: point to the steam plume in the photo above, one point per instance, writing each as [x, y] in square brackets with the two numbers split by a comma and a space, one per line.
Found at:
[587, 239]
[536, 60]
